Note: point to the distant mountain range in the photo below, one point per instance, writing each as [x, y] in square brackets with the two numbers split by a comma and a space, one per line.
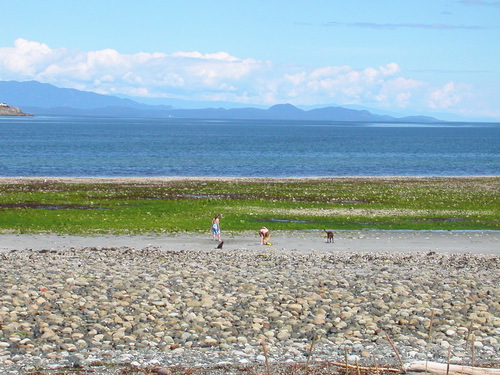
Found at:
[44, 99]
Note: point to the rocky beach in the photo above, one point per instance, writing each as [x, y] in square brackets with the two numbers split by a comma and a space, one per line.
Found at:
[178, 301]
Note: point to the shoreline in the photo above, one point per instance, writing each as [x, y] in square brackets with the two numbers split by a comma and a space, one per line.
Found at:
[362, 241]
[158, 180]
[161, 179]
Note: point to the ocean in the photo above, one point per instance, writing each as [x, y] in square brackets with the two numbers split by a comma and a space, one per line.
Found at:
[132, 147]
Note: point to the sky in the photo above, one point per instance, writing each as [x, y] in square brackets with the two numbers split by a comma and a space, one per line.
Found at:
[411, 57]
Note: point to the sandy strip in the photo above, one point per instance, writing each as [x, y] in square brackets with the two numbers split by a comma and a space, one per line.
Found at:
[480, 242]
[160, 180]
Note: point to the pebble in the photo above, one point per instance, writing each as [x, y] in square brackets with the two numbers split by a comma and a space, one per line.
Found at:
[153, 307]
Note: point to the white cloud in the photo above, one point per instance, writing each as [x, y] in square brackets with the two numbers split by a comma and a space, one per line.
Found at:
[108, 70]
[221, 76]
[222, 56]
[464, 99]
[341, 84]
[188, 74]
[445, 97]
[25, 57]
[398, 92]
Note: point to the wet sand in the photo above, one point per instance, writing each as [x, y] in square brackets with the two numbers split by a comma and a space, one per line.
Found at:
[474, 242]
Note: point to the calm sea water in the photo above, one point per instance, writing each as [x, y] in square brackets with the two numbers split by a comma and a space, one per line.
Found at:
[102, 147]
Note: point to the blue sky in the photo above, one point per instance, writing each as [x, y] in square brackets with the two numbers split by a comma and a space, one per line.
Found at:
[403, 56]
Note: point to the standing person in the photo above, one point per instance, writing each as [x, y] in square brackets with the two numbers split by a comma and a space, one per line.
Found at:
[264, 236]
[216, 228]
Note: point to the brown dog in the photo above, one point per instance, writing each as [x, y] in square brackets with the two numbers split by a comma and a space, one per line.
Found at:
[329, 235]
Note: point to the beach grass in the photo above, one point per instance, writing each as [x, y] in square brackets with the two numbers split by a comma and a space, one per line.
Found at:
[132, 206]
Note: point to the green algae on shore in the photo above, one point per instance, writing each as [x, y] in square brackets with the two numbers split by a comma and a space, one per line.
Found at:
[157, 205]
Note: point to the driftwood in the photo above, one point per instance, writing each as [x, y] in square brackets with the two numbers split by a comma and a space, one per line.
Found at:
[445, 369]
[362, 368]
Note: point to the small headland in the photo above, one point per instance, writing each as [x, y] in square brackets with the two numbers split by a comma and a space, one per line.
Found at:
[7, 110]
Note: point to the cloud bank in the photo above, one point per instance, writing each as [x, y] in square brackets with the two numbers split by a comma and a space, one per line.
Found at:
[221, 76]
